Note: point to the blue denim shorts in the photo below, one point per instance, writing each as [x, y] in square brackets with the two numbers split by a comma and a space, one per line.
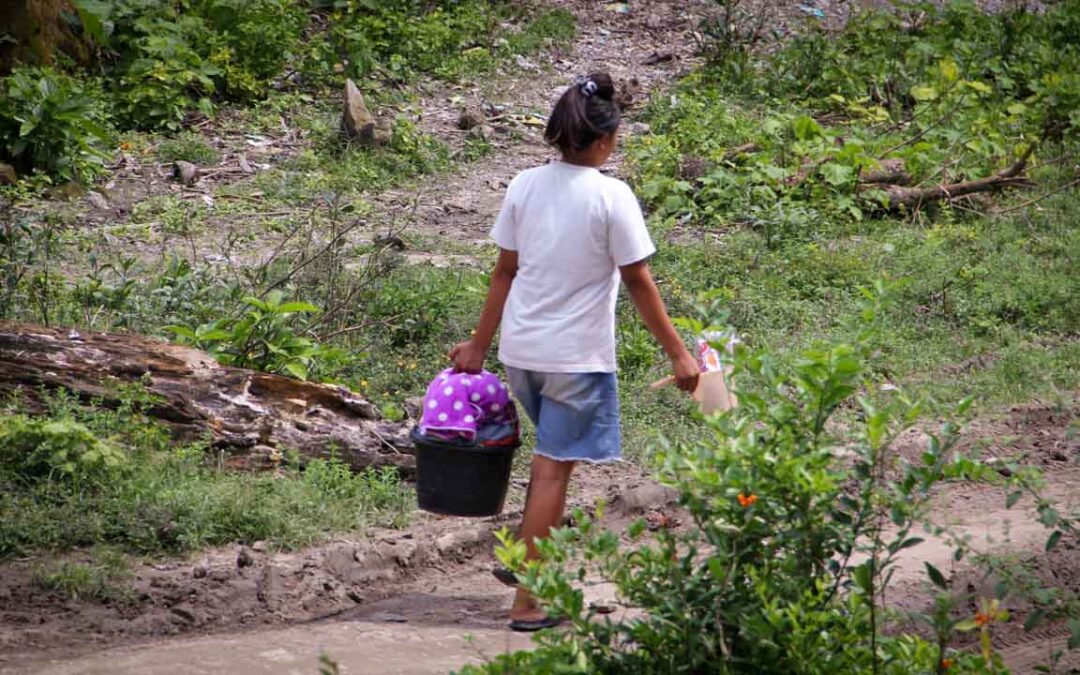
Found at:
[576, 414]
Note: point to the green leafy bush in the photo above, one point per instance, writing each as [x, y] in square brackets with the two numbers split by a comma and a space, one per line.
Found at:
[33, 450]
[52, 122]
[797, 522]
[261, 339]
[187, 146]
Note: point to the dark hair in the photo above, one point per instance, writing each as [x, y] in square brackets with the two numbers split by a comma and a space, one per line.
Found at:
[585, 112]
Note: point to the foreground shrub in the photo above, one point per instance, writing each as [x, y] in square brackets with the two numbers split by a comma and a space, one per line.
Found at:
[797, 522]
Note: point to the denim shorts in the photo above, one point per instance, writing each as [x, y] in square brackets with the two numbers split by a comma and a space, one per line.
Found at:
[576, 414]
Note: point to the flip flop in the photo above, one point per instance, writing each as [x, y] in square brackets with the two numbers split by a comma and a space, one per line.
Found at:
[505, 576]
[532, 626]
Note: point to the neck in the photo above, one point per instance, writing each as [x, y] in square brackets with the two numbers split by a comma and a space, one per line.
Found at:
[584, 159]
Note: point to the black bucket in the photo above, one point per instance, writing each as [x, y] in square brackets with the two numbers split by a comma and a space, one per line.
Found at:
[462, 479]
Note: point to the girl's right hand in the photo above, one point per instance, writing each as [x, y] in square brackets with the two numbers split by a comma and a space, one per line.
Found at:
[686, 371]
[468, 357]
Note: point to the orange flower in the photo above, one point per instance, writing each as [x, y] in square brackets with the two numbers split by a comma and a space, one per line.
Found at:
[982, 618]
[125, 146]
[946, 664]
[747, 501]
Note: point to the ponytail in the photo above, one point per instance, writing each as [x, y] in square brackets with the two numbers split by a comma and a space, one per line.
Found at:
[585, 112]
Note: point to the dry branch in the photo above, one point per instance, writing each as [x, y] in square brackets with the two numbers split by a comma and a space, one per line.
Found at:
[248, 413]
[898, 197]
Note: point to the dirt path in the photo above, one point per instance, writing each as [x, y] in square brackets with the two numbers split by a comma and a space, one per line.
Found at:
[443, 620]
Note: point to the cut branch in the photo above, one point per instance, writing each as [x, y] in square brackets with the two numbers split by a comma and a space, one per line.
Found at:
[898, 197]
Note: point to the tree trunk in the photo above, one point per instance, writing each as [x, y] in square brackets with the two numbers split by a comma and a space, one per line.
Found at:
[250, 414]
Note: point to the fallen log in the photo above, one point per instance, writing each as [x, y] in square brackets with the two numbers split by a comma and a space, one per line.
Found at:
[252, 415]
[888, 171]
[897, 197]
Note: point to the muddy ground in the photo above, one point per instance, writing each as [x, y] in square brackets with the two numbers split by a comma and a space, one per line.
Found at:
[421, 599]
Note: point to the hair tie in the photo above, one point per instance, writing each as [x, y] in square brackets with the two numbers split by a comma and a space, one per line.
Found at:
[586, 86]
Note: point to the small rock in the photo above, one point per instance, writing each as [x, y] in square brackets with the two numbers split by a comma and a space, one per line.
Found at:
[640, 128]
[97, 200]
[183, 614]
[7, 174]
[356, 120]
[602, 607]
[185, 172]
[244, 557]
[259, 546]
[199, 571]
[482, 133]
[391, 617]
[471, 117]
[355, 597]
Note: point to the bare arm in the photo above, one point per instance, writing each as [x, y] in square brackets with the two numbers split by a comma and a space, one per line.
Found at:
[469, 356]
[650, 306]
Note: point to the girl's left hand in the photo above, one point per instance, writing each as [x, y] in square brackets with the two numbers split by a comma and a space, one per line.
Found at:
[468, 357]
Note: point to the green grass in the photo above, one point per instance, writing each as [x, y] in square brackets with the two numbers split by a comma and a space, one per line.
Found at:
[103, 578]
[168, 499]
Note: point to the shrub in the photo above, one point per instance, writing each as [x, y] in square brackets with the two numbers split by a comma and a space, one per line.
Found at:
[53, 123]
[187, 146]
[797, 521]
[33, 450]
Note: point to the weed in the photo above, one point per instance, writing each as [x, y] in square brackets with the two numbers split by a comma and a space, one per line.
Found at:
[189, 147]
[102, 579]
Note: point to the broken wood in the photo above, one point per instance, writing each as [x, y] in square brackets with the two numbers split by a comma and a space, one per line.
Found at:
[250, 414]
[898, 197]
[888, 171]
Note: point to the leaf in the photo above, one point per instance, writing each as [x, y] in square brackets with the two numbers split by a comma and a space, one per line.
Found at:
[924, 93]
[837, 174]
[806, 128]
[1074, 638]
[1034, 620]
[296, 307]
[297, 370]
[965, 626]
[936, 576]
[1052, 540]
[909, 542]
[1011, 500]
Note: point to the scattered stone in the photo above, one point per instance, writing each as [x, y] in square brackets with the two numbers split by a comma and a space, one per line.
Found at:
[7, 174]
[658, 57]
[97, 200]
[244, 557]
[482, 133]
[259, 546]
[356, 120]
[643, 497]
[185, 172]
[471, 117]
[199, 571]
[391, 617]
[183, 614]
[640, 128]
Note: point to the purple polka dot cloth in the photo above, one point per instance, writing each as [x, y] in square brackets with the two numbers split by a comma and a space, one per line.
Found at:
[457, 405]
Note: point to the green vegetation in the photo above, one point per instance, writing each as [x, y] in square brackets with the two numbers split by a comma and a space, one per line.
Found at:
[103, 578]
[161, 64]
[82, 477]
[756, 172]
[791, 551]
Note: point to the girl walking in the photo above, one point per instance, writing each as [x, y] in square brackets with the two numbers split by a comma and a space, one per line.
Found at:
[567, 234]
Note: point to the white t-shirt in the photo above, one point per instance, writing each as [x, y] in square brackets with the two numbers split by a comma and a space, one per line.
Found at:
[572, 227]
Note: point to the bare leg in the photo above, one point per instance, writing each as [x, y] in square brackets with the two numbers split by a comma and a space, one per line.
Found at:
[544, 504]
